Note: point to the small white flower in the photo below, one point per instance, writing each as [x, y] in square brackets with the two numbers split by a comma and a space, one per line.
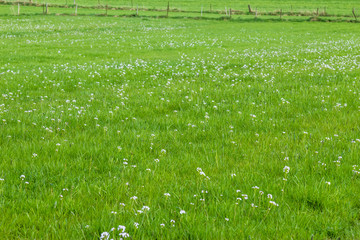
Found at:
[255, 187]
[163, 151]
[22, 177]
[167, 194]
[328, 183]
[162, 225]
[273, 203]
[182, 212]
[226, 219]
[121, 227]
[136, 225]
[286, 169]
[124, 235]
[122, 204]
[269, 196]
[134, 198]
[105, 235]
[145, 208]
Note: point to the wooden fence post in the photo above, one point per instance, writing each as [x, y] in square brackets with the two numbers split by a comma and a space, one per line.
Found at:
[46, 12]
[353, 12]
[230, 12]
[280, 13]
[255, 12]
[324, 11]
[137, 10]
[76, 10]
[18, 9]
[226, 11]
[106, 9]
[250, 11]
[167, 9]
[317, 12]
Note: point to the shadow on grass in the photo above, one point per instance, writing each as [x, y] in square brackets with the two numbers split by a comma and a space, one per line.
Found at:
[222, 18]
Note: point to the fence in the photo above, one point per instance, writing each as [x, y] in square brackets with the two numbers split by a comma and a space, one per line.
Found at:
[211, 12]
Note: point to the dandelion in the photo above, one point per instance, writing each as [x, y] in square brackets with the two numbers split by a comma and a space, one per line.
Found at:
[269, 196]
[22, 177]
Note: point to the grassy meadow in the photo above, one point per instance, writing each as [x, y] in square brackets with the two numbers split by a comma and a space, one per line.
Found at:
[146, 128]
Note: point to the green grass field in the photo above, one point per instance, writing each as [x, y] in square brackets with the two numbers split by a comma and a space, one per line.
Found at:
[330, 6]
[178, 128]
